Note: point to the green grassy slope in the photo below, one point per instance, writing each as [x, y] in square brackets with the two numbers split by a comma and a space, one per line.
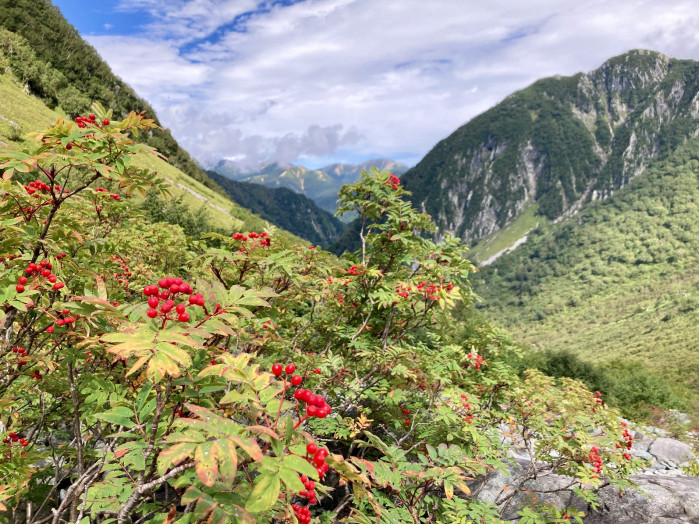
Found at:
[618, 280]
[30, 113]
[48, 55]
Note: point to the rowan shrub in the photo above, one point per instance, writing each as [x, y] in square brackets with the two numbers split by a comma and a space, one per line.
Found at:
[258, 380]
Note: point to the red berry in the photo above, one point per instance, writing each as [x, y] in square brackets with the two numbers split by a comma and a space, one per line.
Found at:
[105, 122]
[277, 369]
[290, 368]
[311, 448]
[69, 146]
[296, 380]
[58, 285]
[19, 288]
[298, 394]
[311, 410]
[153, 302]
[163, 283]
[50, 329]
[22, 280]
[184, 317]
[152, 313]
[180, 308]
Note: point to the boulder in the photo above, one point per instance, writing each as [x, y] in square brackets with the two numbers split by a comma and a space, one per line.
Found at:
[666, 500]
[671, 450]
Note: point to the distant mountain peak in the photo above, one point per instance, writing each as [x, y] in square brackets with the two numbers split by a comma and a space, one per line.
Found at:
[320, 185]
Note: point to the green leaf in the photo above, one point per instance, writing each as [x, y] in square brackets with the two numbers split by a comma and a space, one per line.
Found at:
[120, 415]
[264, 495]
[300, 465]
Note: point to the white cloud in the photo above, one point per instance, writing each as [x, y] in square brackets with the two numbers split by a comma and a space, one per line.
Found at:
[367, 77]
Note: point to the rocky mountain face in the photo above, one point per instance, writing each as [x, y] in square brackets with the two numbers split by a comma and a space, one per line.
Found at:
[320, 185]
[560, 143]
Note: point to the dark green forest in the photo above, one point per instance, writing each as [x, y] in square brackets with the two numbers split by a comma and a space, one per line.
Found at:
[285, 208]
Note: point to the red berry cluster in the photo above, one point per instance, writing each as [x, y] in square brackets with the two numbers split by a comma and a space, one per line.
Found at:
[317, 457]
[407, 419]
[302, 513]
[64, 319]
[82, 121]
[21, 355]
[403, 291]
[393, 181]
[36, 375]
[431, 290]
[468, 411]
[595, 459]
[168, 289]
[113, 196]
[316, 406]
[38, 186]
[476, 361]
[354, 270]
[627, 441]
[123, 276]
[289, 370]
[40, 273]
[13, 437]
[264, 239]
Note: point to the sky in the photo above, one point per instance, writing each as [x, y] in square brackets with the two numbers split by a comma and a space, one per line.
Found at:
[314, 82]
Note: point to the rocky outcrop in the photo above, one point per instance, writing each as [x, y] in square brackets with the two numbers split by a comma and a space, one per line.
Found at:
[658, 499]
[664, 494]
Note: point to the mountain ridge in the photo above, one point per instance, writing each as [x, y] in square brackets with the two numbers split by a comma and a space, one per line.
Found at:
[320, 185]
[560, 143]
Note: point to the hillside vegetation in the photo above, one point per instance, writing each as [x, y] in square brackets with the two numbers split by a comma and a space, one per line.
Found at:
[20, 112]
[145, 377]
[620, 280]
[53, 62]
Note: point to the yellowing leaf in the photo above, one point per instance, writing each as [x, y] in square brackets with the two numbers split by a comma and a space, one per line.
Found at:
[206, 460]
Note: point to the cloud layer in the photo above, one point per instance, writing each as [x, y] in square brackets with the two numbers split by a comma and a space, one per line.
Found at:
[345, 80]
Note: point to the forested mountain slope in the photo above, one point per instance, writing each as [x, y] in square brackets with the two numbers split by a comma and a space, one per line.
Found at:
[320, 185]
[285, 208]
[558, 143]
[618, 280]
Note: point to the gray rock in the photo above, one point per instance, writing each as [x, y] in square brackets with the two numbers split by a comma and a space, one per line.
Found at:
[671, 450]
[666, 500]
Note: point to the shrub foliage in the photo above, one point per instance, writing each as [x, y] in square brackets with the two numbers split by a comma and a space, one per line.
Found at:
[145, 377]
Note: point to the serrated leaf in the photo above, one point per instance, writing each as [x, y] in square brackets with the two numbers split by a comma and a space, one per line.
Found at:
[206, 461]
[174, 455]
[264, 495]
